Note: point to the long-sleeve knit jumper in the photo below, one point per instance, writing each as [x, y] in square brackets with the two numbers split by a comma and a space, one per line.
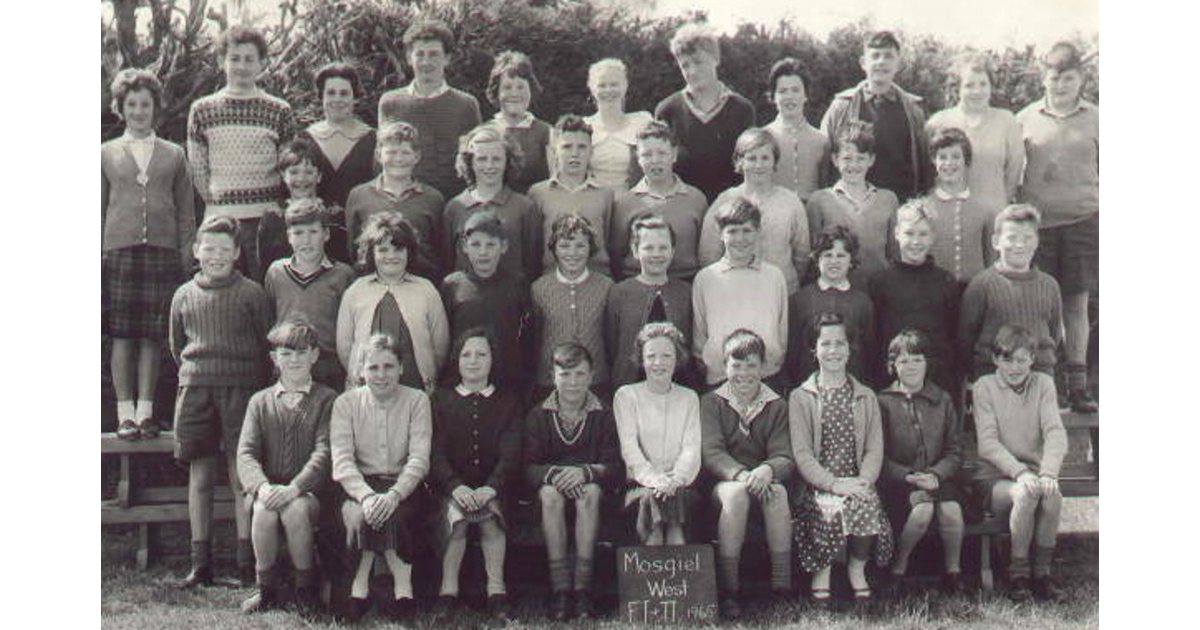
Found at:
[595, 447]
[997, 151]
[522, 223]
[218, 331]
[628, 310]
[281, 446]
[706, 146]
[421, 205]
[1062, 169]
[783, 239]
[924, 297]
[1018, 430]
[682, 208]
[315, 298]
[727, 297]
[570, 312]
[854, 305]
[233, 145]
[993, 298]
[659, 433]
[870, 221]
[590, 201]
[440, 121]
[732, 443]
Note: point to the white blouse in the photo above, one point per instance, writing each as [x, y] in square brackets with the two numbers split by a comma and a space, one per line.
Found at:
[612, 149]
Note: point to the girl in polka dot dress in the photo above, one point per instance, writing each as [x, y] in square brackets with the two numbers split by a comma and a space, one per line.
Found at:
[837, 441]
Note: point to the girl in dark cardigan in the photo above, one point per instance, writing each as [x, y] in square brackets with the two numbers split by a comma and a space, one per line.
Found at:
[571, 453]
[476, 452]
[922, 454]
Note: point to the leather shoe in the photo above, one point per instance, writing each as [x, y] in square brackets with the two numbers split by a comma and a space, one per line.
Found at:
[1046, 590]
[1018, 589]
[128, 430]
[199, 576]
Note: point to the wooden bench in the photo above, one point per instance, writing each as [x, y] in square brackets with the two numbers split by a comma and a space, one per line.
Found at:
[1080, 479]
[146, 507]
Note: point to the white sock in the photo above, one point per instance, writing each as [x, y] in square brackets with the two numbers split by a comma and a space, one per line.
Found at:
[145, 410]
[125, 410]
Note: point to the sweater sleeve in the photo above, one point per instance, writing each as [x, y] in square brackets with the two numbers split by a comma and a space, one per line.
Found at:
[175, 328]
[185, 212]
[951, 456]
[250, 449]
[439, 330]
[800, 425]
[509, 460]
[987, 432]
[197, 149]
[687, 463]
[699, 319]
[1054, 434]
[779, 446]
[345, 328]
[801, 238]
[534, 242]
[872, 460]
[420, 433]
[608, 469]
[104, 194]
[637, 467]
[536, 466]
[715, 452]
[341, 441]
[710, 248]
[316, 469]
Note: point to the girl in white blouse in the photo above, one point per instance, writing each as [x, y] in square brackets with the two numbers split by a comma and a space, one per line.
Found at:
[614, 131]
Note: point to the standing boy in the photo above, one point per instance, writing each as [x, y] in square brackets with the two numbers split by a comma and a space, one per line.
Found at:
[218, 330]
[901, 152]
[234, 140]
[706, 116]
[1062, 179]
[439, 112]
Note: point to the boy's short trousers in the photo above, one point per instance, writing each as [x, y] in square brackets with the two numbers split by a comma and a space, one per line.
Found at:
[209, 420]
[1071, 253]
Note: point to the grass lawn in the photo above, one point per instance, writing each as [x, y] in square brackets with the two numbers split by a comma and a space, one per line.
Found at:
[145, 600]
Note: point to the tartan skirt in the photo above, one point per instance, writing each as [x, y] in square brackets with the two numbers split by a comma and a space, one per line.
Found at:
[137, 284]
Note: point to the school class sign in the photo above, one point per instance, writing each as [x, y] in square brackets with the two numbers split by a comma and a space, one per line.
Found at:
[667, 585]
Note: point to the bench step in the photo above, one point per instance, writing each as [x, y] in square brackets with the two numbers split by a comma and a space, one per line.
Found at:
[166, 513]
[110, 444]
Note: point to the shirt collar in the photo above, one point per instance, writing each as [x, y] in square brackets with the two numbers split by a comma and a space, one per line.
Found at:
[895, 388]
[765, 395]
[592, 403]
[1081, 106]
[411, 90]
[825, 285]
[707, 115]
[377, 184]
[588, 182]
[524, 123]
[323, 130]
[642, 188]
[148, 140]
[280, 390]
[325, 263]
[408, 277]
[500, 199]
[892, 93]
[576, 282]
[724, 264]
[486, 392]
[940, 193]
[839, 187]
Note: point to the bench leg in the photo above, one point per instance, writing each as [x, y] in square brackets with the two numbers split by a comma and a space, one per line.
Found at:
[986, 580]
[147, 540]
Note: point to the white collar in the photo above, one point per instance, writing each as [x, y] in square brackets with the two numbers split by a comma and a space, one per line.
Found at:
[128, 137]
[765, 395]
[486, 392]
[524, 123]
[411, 90]
[323, 130]
[945, 196]
[643, 188]
[588, 182]
[842, 286]
[576, 282]
[303, 389]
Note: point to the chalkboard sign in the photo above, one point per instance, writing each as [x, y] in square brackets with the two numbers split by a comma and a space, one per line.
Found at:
[667, 585]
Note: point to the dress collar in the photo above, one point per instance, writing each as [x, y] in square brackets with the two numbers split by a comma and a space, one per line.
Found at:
[824, 285]
[130, 139]
[940, 193]
[724, 264]
[486, 392]
[324, 130]
[524, 123]
[280, 389]
[577, 281]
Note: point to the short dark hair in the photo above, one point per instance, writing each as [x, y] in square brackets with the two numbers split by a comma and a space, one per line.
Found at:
[657, 129]
[649, 222]
[1062, 56]
[131, 80]
[339, 70]
[571, 123]
[654, 330]
[825, 320]
[464, 162]
[294, 333]
[297, 151]
[740, 211]
[484, 222]
[786, 67]
[1012, 337]
[219, 224]
[241, 34]
[385, 227]
[305, 212]
[480, 332]
[425, 30]
[907, 341]
[860, 135]
[828, 237]
[882, 39]
[567, 226]
[949, 137]
[571, 354]
[743, 343]
[512, 64]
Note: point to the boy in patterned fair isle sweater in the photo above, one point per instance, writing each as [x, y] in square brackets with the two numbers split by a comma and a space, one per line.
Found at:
[218, 329]
[440, 113]
[234, 137]
[282, 459]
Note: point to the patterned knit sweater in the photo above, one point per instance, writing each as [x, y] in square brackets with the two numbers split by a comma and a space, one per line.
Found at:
[218, 331]
[570, 312]
[233, 144]
[439, 121]
[993, 298]
[282, 446]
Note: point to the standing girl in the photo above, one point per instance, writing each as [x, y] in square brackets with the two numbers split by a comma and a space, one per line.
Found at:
[837, 443]
[614, 130]
[511, 87]
[149, 226]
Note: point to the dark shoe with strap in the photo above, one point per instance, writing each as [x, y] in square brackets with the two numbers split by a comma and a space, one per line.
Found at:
[1019, 590]
[1046, 590]
[821, 599]
[129, 430]
[199, 576]
[729, 607]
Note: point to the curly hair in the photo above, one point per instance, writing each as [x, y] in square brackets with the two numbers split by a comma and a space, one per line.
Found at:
[511, 64]
[131, 80]
[338, 70]
[464, 162]
[655, 330]
[385, 227]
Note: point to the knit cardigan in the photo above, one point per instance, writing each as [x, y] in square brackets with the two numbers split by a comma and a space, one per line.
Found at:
[706, 148]
[276, 449]
[566, 312]
[476, 440]
[805, 424]
[158, 213]
[440, 122]
[659, 433]
[627, 311]
[218, 331]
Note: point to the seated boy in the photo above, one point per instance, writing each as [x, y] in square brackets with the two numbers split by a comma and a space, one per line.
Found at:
[1011, 291]
[962, 223]
[397, 190]
[282, 459]
[571, 191]
[218, 330]
[310, 286]
[1022, 443]
[572, 455]
[740, 291]
[486, 296]
[855, 203]
[747, 448]
[651, 296]
[662, 193]
[706, 116]
[234, 138]
[902, 165]
[440, 113]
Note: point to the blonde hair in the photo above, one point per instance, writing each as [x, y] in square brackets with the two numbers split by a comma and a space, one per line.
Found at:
[596, 70]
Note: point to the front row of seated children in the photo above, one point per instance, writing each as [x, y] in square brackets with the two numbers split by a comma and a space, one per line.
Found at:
[861, 458]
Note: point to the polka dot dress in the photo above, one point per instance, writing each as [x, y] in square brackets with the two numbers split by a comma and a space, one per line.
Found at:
[823, 520]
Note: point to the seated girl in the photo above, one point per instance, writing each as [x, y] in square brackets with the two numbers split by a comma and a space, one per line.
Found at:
[658, 422]
[922, 454]
[837, 443]
[476, 453]
[571, 454]
[380, 437]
